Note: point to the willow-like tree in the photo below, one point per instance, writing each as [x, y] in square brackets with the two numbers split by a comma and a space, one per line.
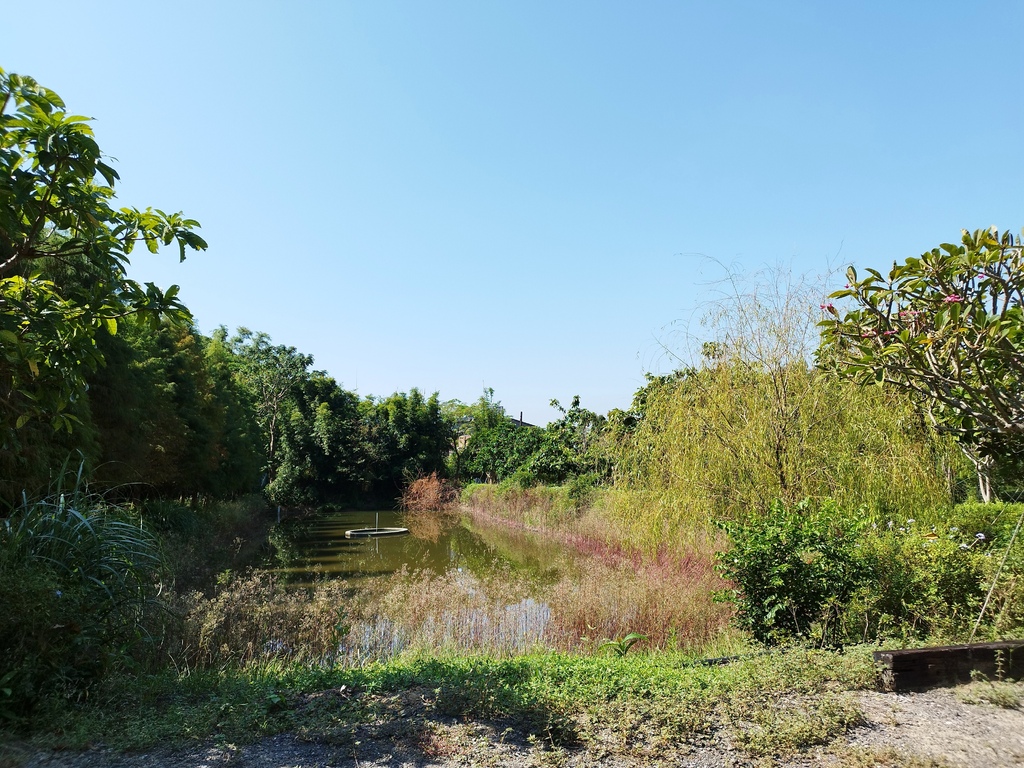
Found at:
[947, 326]
[747, 419]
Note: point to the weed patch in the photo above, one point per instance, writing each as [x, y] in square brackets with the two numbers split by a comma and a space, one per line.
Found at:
[429, 494]
[766, 728]
[638, 703]
[993, 692]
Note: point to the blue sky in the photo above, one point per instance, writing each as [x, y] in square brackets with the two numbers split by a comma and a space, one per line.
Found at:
[526, 196]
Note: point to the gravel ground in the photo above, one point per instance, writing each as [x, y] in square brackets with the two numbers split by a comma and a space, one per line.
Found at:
[939, 724]
[943, 727]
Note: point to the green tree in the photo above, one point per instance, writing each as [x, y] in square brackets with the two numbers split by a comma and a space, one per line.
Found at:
[168, 417]
[407, 436]
[948, 327]
[464, 422]
[496, 453]
[322, 456]
[142, 434]
[572, 445]
[56, 207]
[495, 446]
[239, 450]
[271, 375]
[750, 420]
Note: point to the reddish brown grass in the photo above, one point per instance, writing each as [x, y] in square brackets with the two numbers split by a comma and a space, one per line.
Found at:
[616, 589]
[429, 494]
[669, 602]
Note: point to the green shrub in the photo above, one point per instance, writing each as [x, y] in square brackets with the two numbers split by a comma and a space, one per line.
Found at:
[580, 488]
[170, 517]
[522, 478]
[836, 577]
[76, 579]
[794, 568]
[994, 520]
[918, 582]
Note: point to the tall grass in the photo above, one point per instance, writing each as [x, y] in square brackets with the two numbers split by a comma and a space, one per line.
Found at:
[77, 580]
[669, 602]
[257, 616]
[254, 616]
[616, 585]
[597, 529]
[536, 507]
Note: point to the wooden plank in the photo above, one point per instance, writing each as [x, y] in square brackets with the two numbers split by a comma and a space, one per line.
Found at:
[920, 668]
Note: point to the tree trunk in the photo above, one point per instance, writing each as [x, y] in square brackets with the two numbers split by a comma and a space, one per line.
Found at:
[983, 466]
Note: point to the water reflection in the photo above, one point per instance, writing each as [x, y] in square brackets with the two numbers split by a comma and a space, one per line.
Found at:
[317, 547]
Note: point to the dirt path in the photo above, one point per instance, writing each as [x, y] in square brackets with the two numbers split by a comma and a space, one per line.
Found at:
[957, 728]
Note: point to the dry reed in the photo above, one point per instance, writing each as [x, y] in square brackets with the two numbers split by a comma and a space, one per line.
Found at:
[255, 617]
[429, 494]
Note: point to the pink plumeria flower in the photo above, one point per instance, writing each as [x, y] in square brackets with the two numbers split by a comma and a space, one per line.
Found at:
[953, 298]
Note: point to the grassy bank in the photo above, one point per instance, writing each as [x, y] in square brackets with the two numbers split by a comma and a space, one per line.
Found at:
[618, 588]
[812, 570]
[592, 520]
[650, 705]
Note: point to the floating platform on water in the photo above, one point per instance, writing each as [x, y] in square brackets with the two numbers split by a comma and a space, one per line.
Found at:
[374, 533]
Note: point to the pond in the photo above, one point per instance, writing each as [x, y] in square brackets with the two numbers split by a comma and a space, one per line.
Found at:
[317, 547]
[469, 583]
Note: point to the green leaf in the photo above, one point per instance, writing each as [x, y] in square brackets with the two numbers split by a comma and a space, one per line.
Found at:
[58, 326]
[109, 174]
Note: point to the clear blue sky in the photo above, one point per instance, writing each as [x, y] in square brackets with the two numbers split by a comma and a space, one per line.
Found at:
[522, 195]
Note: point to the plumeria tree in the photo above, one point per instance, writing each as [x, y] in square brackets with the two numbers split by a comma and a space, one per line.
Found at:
[949, 327]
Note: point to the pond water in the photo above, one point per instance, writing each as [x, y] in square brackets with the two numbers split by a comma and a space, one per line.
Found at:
[316, 547]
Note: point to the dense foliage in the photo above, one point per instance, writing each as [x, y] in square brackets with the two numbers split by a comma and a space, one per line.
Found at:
[835, 576]
[76, 579]
[748, 420]
[496, 448]
[947, 326]
[64, 250]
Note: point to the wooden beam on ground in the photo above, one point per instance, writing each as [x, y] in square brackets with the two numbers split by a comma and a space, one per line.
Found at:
[919, 668]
